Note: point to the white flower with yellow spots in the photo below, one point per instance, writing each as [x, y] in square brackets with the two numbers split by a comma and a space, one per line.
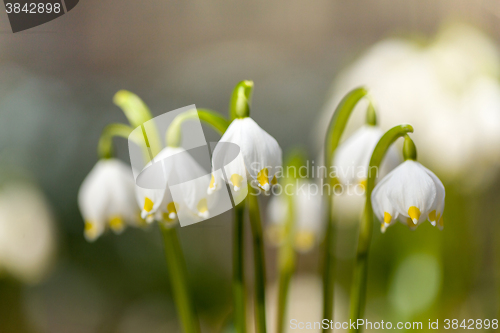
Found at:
[106, 198]
[308, 217]
[411, 194]
[353, 156]
[185, 191]
[260, 152]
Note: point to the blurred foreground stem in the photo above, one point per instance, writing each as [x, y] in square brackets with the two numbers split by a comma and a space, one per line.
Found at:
[239, 298]
[178, 277]
[259, 260]
[358, 292]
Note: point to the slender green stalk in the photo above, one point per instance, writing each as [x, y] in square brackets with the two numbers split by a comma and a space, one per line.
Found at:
[335, 131]
[178, 277]
[239, 297]
[358, 292]
[105, 144]
[286, 262]
[286, 254]
[259, 260]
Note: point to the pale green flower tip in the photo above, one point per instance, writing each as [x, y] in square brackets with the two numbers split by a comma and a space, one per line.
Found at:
[409, 149]
[371, 115]
[241, 99]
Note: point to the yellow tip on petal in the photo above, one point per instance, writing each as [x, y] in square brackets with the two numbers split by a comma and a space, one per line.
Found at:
[414, 213]
[236, 180]
[90, 231]
[212, 182]
[387, 218]
[363, 183]
[148, 204]
[440, 223]
[383, 227]
[410, 223]
[116, 224]
[304, 241]
[274, 181]
[202, 208]
[263, 179]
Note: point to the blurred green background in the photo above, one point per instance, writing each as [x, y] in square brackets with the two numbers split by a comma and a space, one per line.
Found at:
[56, 86]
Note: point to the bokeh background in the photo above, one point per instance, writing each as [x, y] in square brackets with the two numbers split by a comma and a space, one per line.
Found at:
[56, 86]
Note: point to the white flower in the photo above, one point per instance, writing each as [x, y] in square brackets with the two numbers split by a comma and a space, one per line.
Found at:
[261, 156]
[106, 198]
[27, 233]
[353, 156]
[180, 189]
[308, 216]
[411, 194]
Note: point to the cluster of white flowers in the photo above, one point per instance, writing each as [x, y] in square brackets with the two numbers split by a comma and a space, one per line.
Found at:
[448, 89]
[110, 198]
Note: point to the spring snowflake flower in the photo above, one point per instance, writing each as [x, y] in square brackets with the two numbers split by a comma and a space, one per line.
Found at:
[261, 156]
[184, 189]
[411, 194]
[308, 221]
[353, 156]
[106, 198]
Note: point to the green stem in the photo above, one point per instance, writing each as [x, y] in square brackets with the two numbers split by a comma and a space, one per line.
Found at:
[212, 118]
[105, 145]
[335, 131]
[358, 292]
[286, 262]
[178, 277]
[259, 260]
[239, 298]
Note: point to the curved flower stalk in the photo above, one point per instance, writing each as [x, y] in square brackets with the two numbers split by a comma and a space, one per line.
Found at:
[358, 293]
[411, 194]
[335, 131]
[106, 198]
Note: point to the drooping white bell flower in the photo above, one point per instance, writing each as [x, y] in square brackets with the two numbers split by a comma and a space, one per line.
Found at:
[180, 189]
[353, 156]
[411, 194]
[106, 198]
[308, 216]
[27, 233]
[261, 156]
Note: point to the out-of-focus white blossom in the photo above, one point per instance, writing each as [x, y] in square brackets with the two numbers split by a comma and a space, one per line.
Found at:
[27, 232]
[308, 216]
[106, 198]
[448, 90]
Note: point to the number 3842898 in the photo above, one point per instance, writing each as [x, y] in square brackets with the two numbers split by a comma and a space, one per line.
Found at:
[32, 8]
[470, 324]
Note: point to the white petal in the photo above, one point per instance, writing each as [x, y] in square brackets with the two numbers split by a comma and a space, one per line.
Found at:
[259, 149]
